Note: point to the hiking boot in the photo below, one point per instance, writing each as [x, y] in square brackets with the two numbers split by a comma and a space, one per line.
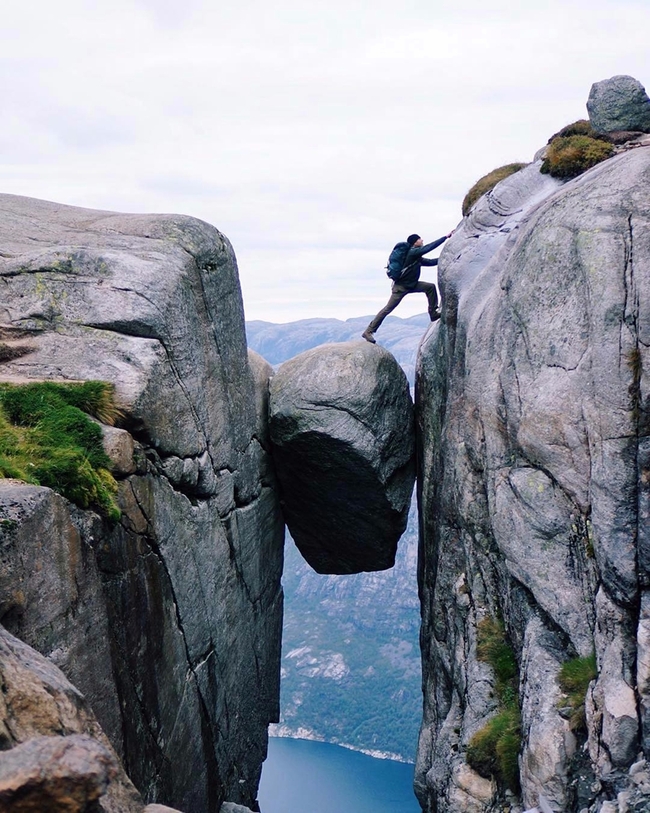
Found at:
[367, 335]
[435, 315]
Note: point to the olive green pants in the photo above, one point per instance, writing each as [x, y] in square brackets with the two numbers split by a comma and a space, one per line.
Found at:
[398, 294]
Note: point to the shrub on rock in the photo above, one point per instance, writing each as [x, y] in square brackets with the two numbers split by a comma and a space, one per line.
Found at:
[569, 156]
[494, 750]
[581, 127]
[574, 678]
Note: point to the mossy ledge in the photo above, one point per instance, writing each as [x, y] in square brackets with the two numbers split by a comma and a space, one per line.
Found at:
[494, 750]
[47, 438]
[487, 183]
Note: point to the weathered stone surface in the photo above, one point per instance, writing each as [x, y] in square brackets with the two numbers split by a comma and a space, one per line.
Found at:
[52, 746]
[66, 774]
[341, 424]
[619, 103]
[169, 621]
[548, 742]
[120, 448]
[532, 401]
[51, 594]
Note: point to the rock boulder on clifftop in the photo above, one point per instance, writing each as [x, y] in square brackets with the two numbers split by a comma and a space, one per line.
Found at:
[341, 422]
[619, 103]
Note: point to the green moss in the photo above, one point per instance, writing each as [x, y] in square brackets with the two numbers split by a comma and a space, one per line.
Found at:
[493, 648]
[574, 678]
[26, 403]
[494, 750]
[569, 156]
[46, 438]
[488, 182]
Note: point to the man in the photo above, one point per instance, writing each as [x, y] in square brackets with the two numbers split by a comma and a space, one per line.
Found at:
[409, 283]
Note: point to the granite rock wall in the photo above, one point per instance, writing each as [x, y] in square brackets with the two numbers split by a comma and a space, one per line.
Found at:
[169, 621]
[532, 416]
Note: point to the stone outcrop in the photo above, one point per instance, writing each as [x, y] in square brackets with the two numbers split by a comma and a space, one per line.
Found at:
[66, 774]
[341, 423]
[168, 621]
[532, 413]
[619, 103]
[54, 754]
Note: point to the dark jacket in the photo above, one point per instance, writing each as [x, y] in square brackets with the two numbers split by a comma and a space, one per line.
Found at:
[415, 261]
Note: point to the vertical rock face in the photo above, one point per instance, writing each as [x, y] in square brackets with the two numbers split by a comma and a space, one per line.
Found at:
[532, 415]
[341, 424]
[170, 621]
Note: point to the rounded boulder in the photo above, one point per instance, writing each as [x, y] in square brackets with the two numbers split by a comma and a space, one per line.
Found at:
[342, 434]
[619, 103]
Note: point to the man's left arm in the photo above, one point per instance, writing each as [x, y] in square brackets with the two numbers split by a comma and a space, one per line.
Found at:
[420, 250]
[426, 261]
[430, 246]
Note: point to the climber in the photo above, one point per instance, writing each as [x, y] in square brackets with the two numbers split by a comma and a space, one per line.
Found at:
[408, 282]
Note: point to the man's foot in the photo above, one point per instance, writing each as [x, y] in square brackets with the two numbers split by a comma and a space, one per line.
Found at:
[435, 315]
[367, 335]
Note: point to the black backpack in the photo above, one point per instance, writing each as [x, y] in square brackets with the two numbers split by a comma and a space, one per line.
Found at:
[395, 267]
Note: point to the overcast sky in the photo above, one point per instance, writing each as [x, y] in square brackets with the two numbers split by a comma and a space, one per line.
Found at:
[315, 135]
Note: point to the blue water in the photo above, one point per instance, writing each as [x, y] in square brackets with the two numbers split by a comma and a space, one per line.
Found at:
[300, 776]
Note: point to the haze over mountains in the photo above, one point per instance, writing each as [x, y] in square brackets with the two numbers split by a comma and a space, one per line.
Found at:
[279, 342]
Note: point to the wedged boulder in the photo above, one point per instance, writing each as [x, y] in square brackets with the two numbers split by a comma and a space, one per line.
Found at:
[341, 424]
[619, 103]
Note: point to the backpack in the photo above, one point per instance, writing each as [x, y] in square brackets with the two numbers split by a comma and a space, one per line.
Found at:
[395, 266]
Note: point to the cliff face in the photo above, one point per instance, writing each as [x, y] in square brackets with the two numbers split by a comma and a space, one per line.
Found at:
[169, 622]
[532, 414]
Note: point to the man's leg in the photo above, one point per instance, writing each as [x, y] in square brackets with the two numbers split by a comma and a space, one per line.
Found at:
[398, 293]
[429, 289]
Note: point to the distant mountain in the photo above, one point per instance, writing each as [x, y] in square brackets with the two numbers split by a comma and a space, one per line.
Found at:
[277, 343]
[350, 662]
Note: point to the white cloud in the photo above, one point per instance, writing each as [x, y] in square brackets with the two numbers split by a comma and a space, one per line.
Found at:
[314, 135]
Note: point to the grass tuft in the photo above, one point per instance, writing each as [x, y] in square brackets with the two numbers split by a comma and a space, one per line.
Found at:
[494, 750]
[581, 127]
[574, 678]
[569, 156]
[487, 183]
[47, 439]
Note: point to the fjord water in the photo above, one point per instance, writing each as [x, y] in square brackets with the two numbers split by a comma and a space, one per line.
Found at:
[300, 776]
